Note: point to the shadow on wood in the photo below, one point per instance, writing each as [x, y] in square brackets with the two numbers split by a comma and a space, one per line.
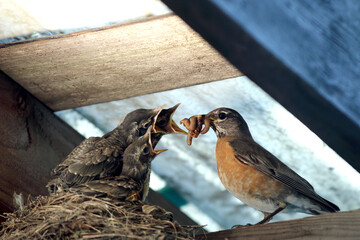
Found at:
[32, 142]
[341, 225]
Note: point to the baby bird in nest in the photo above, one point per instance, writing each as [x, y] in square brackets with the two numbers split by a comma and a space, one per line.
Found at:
[131, 186]
[103, 157]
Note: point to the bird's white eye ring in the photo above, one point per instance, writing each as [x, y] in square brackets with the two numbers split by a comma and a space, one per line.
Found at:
[222, 115]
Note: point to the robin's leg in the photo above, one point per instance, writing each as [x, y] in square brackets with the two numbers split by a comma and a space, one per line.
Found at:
[269, 216]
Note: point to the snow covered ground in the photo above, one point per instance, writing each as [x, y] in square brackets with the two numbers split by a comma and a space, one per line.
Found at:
[191, 171]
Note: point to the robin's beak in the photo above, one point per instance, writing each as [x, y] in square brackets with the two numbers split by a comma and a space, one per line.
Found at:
[152, 151]
[156, 112]
[165, 123]
[211, 116]
[156, 152]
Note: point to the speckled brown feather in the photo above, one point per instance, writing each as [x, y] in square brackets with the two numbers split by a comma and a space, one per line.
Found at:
[119, 188]
[133, 183]
[251, 153]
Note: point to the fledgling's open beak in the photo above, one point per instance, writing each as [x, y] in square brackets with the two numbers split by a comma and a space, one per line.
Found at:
[156, 152]
[157, 112]
[152, 151]
[165, 123]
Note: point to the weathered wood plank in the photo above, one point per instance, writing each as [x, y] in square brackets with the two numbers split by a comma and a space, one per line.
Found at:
[244, 32]
[32, 142]
[113, 62]
[342, 225]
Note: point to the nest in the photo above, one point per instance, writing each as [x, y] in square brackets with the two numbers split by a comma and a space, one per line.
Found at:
[73, 216]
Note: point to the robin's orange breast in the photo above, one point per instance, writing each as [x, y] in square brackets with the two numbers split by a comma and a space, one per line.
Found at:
[245, 182]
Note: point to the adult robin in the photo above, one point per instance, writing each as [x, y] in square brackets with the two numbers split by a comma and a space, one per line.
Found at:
[255, 176]
[98, 157]
[131, 184]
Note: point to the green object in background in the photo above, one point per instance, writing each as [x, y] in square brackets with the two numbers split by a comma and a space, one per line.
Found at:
[173, 196]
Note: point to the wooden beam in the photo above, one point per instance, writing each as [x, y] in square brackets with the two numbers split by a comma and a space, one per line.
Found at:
[113, 62]
[342, 225]
[32, 142]
[222, 24]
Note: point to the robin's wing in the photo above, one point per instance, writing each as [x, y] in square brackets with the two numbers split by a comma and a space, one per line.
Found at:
[62, 178]
[251, 153]
[119, 187]
[100, 160]
[84, 147]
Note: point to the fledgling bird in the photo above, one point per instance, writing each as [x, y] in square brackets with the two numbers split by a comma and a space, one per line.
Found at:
[99, 157]
[255, 176]
[164, 125]
[131, 184]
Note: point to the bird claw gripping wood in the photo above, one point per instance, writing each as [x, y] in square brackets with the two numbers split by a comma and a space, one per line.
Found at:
[195, 125]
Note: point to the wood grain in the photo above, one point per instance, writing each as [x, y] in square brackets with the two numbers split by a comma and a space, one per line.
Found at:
[32, 142]
[114, 62]
[342, 225]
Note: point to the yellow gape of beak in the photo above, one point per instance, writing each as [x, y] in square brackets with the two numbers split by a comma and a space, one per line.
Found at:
[156, 152]
[152, 151]
[166, 124]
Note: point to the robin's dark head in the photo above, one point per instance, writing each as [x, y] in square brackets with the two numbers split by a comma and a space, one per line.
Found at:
[165, 124]
[227, 122]
[138, 156]
[140, 120]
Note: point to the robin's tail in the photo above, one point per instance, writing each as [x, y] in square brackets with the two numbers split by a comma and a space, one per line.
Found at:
[331, 207]
[325, 205]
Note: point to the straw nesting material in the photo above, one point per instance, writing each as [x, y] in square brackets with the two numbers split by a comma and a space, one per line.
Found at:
[74, 216]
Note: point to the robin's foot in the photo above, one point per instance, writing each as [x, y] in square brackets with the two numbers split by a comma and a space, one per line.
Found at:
[241, 226]
[269, 216]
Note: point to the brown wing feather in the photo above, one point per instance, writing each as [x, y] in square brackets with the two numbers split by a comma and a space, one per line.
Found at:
[93, 158]
[254, 155]
[119, 187]
[84, 147]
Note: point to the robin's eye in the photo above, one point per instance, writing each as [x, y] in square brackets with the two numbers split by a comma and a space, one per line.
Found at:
[222, 115]
[146, 125]
[146, 150]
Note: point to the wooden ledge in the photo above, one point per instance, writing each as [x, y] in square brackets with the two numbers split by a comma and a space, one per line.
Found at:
[341, 225]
